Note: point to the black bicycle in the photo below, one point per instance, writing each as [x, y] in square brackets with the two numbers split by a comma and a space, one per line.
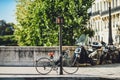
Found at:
[45, 65]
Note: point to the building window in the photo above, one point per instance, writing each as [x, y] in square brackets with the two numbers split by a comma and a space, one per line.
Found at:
[104, 6]
[101, 25]
[113, 4]
[105, 25]
[100, 6]
[113, 24]
[97, 6]
[98, 26]
[98, 38]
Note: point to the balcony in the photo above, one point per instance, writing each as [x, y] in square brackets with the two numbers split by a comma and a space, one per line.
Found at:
[95, 13]
[116, 9]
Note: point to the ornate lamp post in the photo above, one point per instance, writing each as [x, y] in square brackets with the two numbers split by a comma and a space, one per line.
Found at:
[110, 40]
[60, 21]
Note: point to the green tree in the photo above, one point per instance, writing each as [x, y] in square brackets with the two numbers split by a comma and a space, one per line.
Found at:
[37, 25]
[6, 34]
[3, 26]
[6, 28]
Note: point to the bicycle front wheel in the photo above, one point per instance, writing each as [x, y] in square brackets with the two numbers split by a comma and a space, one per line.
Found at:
[70, 66]
[43, 66]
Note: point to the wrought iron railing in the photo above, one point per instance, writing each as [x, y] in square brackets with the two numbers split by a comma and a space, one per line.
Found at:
[102, 13]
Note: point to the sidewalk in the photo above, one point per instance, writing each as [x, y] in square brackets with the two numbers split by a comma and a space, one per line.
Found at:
[111, 71]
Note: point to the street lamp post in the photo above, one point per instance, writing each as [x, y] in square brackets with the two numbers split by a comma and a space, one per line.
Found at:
[110, 40]
[60, 21]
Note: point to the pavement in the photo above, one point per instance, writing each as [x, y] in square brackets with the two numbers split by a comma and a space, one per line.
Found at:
[108, 71]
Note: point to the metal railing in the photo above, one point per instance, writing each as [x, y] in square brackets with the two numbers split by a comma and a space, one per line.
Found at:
[102, 13]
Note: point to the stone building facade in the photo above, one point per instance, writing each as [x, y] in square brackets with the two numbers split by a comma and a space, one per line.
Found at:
[99, 20]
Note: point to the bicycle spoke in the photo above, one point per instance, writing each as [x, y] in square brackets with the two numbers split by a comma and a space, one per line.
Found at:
[43, 66]
[70, 66]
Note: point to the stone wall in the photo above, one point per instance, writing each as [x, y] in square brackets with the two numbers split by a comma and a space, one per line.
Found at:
[26, 56]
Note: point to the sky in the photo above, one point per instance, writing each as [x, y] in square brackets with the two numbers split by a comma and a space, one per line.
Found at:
[7, 10]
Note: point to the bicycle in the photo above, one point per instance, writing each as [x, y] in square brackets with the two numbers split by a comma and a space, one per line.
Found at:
[45, 65]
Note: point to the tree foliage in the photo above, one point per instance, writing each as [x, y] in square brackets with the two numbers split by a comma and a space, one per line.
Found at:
[6, 28]
[37, 18]
[6, 34]
[8, 40]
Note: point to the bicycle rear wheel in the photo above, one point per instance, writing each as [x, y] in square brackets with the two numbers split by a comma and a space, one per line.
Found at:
[43, 66]
[70, 66]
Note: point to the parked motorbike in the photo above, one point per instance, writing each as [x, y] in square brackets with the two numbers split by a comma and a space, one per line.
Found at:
[84, 55]
[94, 55]
[108, 55]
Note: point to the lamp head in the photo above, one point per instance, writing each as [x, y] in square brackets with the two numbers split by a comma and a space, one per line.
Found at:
[59, 20]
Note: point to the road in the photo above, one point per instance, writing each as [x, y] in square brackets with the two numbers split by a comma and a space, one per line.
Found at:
[104, 71]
